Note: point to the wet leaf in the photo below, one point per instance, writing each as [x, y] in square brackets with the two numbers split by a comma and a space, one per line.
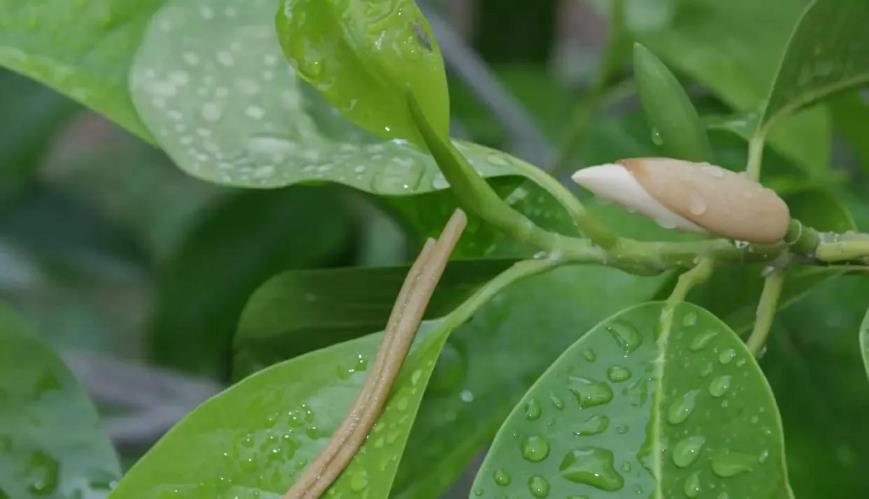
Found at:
[635, 407]
[672, 119]
[211, 82]
[82, 49]
[300, 311]
[828, 52]
[51, 443]
[364, 56]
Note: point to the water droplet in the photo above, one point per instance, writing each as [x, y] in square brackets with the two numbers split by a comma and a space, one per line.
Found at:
[696, 204]
[764, 455]
[692, 484]
[43, 473]
[535, 448]
[719, 386]
[723, 495]
[657, 137]
[532, 410]
[618, 374]
[478, 492]
[591, 466]
[702, 340]
[592, 426]
[538, 486]
[590, 393]
[359, 481]
[690, 319]
[731, 464]
[626, 335]
[682, 407]
[502, 478]
[727, 356]
[638, 392]
[686, 450]
[556, 401]
[622, 429]
[589, 355]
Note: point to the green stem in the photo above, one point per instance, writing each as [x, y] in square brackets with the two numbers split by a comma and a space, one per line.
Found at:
[834, 248]
[755, 155]
[766, 310]
[689, 280]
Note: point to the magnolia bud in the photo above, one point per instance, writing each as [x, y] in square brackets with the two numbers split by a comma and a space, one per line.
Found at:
[696, 197]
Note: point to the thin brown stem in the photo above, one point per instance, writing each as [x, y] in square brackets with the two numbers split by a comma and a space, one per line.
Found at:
[415, 294]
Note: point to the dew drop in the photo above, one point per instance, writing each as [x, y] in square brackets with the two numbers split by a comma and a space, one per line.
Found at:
[696, 204]
[727, 356]
[719, 386]
[687, 450]
[657, 137]
[690, 319]
[626, 335]
[682, 407]
[532, 410]
[592, 466]
[702, 340]
[590, 393]
[538, 486]
[617, 374]
[732, 464]
[594, 425]
[556, 401]
[589, 355]
[43, 473]
[359, 481]
[502, 478]
[535, 448]
[692, 485]
[638, 392]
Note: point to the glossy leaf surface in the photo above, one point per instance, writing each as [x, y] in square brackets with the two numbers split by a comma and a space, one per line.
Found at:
[51, 442]
[211, 82]
[82, 49]
[828, 52]
[674, 122]
[299, 311]
[364, 56]
[635, 407]
[864, 342]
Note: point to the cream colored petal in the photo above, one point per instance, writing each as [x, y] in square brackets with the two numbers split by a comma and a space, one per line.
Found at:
[615, 183]
[723, 202]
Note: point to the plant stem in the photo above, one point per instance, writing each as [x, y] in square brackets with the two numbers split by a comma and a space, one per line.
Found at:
[766, 310]
[755, 155]
[687, 281]
[849, 247]
[413, 298]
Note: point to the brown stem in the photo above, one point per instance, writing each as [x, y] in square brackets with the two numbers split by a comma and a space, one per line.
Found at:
[415, 294]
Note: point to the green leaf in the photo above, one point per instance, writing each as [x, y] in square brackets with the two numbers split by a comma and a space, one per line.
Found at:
[489, 363]
[269, 426]
[851, 120]
[864, 342]
[82, 49]
[300, 311]
[32, 115]
[747, 39]
[233, 249]
[51, 443]
[828, 52]
[636, 407]
[211, 82]
[364, 56]
[674, 122]
[819, 379]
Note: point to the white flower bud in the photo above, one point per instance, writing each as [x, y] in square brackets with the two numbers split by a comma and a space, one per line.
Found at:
[690, 196]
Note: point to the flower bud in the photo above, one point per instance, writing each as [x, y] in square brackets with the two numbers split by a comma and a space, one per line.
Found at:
[696, 197]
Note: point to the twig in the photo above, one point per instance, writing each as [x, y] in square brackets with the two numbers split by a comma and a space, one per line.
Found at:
[398, 337]
[766, 309]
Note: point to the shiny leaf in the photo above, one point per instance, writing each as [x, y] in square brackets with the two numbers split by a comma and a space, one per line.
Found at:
[828, 52]
[51, 443]
[83, 49]
[864, 342]
[636, 407]
[364, 56]
[211, 82]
